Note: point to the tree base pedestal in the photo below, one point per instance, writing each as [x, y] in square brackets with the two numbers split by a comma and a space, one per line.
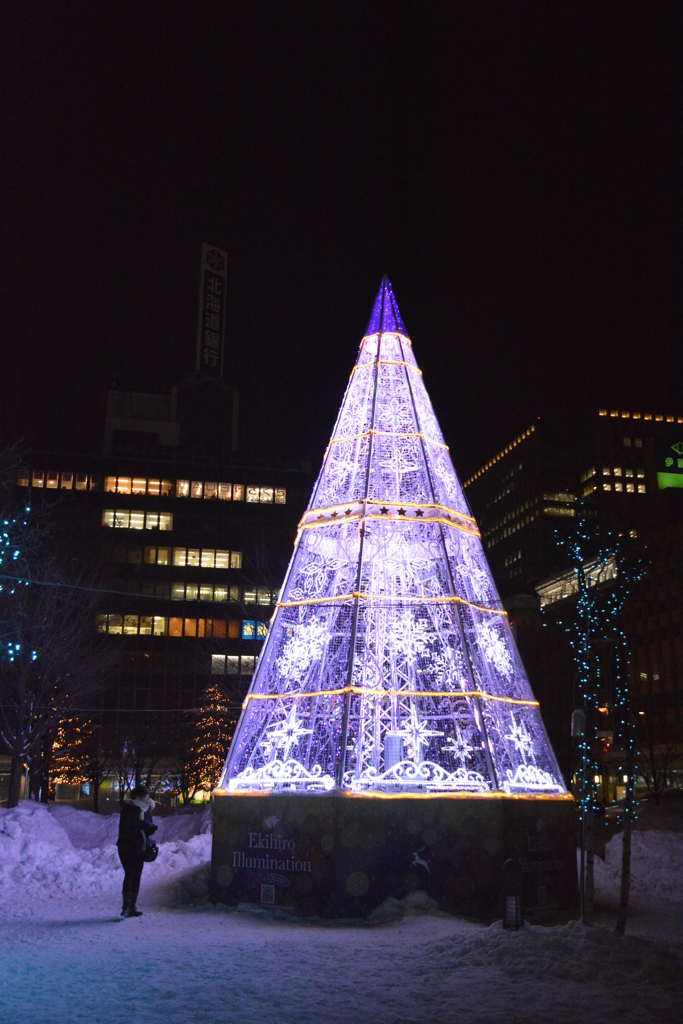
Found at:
[340, 855]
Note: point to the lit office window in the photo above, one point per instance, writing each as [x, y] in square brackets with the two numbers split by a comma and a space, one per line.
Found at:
[37, 478]
[163, 556]
[234, 594]
[217, 664]
[235, 559]
[248, 629]
[261, 630]
[139, 485]
[160, 625]
[121, 519]
[146, 625]
[107, 517]
[175, 627]
[630, 488]
[153, 488]
[210, 490]
[607, 487]
[150, 556]
[250, 595]
[617, 470]
[220, 594]
[123, 485]
[266, 495]
[627, 442]
[248, 664]
[191, 591]
[252, 494]
[232, 666]
[95, 481]
[165, 520]
[101, 621]
[238, 492]
[196, 489]
[225, 492]
[280, 496]
[234, 629]
[263, 595]
[130, 624]
[137, 520]
[166, 488]
[177, 591]
[81, 481]
[179, 556]
[628, 472]
[640, 473]
[190, 627]
[208, 558]
[52, 479]
[641, 488]
[22, 478]
[193, 556]
[605, 471]
[205, 592]
[182, 488]
[222, 560]
[618, 487]
[110, 484]
[67, 481]
[116, 623]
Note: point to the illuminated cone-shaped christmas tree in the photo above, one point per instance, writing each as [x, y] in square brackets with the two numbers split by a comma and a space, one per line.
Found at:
[389, 665]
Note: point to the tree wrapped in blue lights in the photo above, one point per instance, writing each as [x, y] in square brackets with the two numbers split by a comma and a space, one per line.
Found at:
[389, 665]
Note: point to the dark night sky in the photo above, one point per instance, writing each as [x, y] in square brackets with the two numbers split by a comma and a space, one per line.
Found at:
[513, 167]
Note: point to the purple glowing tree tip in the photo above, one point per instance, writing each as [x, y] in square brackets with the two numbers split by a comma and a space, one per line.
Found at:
[385, 315]
[389, 665]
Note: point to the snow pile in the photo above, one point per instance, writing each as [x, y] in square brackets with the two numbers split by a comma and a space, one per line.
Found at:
[656, 865]
[47, 853]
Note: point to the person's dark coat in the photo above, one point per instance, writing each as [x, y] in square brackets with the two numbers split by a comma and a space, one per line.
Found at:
[135, 827]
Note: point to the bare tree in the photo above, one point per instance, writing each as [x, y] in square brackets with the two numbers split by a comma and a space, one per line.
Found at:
[658, 751]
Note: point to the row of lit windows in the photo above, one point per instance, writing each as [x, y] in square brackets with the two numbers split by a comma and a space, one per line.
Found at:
[502, 454]
[515, 557]
[512, 515]
[206, 558]
[52, 479]
[558, 496]
[195, 489]
[616, 470]
[233, 664]
[205, 592]
[124, 519]
[628, 488]
[161, 625]
[557, 510]
[512, 529]
[614, 413]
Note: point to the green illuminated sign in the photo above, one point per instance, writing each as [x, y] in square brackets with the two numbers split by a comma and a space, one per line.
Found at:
[673, 467]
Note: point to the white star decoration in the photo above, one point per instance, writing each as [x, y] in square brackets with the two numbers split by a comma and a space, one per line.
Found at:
[416, 733]
[288, 733]
[520, 737]
[459, 747]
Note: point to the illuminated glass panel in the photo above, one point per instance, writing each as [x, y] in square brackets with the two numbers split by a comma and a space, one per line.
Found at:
[252, 494]
[163, 556]
[165, 520]
[389, 665]
[208, 558]
[280, 496]
[222, 560]
[235, 559]
[238, 492]
[153, 487]
[52, 479]
[67, 481]
[196, 489]
[123, 485]
[224, 492]
[193, 556]
[139, 485]
[37, 478]
[210, 490]
[182, 488]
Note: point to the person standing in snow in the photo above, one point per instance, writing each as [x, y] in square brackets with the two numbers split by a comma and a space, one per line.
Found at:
[135, 828]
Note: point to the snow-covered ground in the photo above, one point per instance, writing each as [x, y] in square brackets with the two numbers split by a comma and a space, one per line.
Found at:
[66, 956]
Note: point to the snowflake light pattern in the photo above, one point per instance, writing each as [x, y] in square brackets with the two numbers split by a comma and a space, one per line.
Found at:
[389, 665]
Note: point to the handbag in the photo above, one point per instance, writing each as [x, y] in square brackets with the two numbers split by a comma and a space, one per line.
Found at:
[150, 852]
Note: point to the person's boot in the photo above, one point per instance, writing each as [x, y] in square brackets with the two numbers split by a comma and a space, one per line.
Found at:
[126, 904]
[132, 909]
